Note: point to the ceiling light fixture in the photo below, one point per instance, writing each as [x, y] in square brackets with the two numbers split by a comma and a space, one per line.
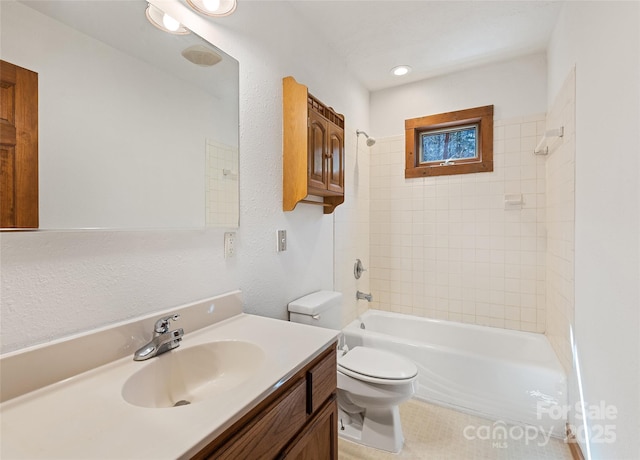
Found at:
[214, 8]
[164, 22]
[170, 23]
[400, 70]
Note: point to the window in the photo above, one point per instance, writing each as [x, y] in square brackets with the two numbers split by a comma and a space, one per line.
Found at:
[448, 144]
[458, 142]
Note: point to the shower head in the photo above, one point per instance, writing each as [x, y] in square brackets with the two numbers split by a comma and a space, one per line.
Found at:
[370, 140]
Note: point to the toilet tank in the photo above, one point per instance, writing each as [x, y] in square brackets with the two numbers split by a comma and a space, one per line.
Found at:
[322, 308]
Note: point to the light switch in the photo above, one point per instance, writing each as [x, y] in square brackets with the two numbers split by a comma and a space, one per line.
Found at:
[282, 240]
[229, 244]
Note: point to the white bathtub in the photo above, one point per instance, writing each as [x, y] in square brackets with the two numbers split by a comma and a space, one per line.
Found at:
[504, 375]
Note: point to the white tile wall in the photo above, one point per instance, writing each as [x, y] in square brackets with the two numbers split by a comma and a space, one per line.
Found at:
[221, 185]
[560, 174]
[446, 247]
[351, 223]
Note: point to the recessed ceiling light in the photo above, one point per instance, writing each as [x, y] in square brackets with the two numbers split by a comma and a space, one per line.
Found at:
[214, 7]
[163, 21]
[400, 70]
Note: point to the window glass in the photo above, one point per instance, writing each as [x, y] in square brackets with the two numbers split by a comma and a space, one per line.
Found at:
[449, 144]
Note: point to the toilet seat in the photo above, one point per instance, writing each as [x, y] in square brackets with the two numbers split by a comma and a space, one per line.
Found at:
[377, 366]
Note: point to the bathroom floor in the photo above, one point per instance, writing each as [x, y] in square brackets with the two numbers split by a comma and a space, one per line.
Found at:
[433, 432]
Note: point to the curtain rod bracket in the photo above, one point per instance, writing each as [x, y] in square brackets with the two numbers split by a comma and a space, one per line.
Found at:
[558, 132]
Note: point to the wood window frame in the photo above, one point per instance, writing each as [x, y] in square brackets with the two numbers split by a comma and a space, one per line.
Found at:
[414, 127]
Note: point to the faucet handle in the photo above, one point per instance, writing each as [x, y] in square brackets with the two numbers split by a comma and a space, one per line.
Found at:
[162, 325]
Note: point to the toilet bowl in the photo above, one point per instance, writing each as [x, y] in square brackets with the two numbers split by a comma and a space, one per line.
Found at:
[371, 382]
[371, 385]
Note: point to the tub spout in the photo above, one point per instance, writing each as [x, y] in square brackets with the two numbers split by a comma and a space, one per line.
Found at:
[363, 296]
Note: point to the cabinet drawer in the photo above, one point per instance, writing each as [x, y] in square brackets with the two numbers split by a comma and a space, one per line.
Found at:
[270, 433]
[321, 382]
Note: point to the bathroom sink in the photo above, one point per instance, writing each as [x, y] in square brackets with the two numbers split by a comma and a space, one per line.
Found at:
[190, 375]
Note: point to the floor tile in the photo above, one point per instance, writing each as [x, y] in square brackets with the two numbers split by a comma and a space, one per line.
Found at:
[434, 432]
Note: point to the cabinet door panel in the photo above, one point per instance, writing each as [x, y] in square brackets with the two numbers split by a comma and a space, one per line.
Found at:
[336, 159]
[319, 441]
[317, 151]
[270, 433]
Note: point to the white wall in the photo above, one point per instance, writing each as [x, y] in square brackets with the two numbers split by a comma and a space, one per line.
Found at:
[560, 219]
[602, 40]
[57, 283]
[516, 87]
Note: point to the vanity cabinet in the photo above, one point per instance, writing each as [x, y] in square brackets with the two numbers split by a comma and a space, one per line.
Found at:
[297, 421]
[313, 149]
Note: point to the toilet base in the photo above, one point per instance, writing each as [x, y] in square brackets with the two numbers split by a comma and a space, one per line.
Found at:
[379, 428]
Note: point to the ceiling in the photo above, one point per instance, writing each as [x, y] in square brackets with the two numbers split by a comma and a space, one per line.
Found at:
[433, 37]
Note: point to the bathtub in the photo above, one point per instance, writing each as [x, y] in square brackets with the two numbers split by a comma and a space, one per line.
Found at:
[504, 375]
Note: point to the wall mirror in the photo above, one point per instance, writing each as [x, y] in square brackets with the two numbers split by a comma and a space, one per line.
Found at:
[132, 135]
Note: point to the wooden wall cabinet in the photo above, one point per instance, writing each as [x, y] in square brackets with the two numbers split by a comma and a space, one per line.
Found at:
[298, 421]
[313, 149]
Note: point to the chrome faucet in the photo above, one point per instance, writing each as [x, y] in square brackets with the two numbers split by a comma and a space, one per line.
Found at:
[363, 296]
[163, 339]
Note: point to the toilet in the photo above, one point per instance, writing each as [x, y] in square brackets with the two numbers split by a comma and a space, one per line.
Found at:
[371, 382]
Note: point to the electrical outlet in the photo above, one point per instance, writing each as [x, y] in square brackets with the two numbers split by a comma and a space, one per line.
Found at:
[229, 244]
[282, 240]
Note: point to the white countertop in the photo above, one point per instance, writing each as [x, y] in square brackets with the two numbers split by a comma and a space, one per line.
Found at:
[86, 417]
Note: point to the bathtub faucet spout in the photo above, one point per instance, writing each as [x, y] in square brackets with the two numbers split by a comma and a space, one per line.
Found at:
[363, 296]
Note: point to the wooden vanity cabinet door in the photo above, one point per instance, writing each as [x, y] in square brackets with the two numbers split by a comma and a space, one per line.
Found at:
[319, 440]
[270, 433]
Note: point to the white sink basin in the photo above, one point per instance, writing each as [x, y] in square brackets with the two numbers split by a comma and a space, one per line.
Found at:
[190, 375]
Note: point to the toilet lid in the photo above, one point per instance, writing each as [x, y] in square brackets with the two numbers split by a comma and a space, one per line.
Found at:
[380, 364]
